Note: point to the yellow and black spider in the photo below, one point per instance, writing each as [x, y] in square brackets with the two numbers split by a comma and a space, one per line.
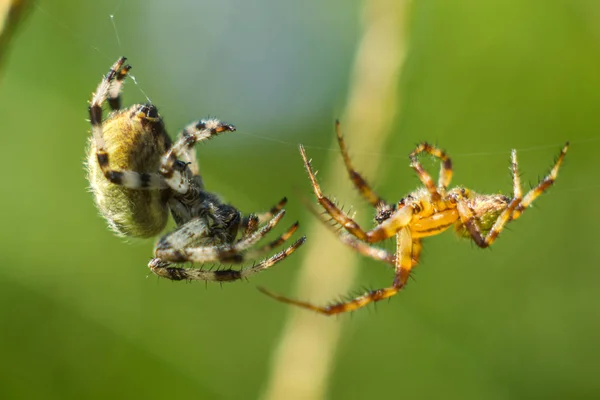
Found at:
[138, 176]
[427, 211]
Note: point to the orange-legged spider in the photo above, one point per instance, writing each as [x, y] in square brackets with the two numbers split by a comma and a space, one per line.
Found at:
[427, 211]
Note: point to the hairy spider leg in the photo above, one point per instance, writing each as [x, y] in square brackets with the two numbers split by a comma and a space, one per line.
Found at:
[403, 265]
[369, 250]
[468, 219]
[366, 249]
[193, 133]
[116, 87]
[255, 253]
[162, 269]
[515, 207]
[359, 182]
[542, 186]
[386, 229]
[445, 170]
[379, 253]
[249, 225]
[251, 222]
[262, 217]
[109, 88]
[189, 157]
[173, 247]
[514, 171]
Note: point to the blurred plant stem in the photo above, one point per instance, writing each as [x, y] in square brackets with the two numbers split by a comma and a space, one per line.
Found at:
[11, 13]
[302, 362]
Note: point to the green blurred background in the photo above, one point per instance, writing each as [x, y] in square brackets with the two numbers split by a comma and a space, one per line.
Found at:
[81, 318]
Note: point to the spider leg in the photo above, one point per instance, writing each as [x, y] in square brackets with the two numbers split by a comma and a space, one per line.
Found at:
[275, 243]
[468, 219]
[542, 186]
[191, 134]
[98, 99]
[174, 247]
[514, 171]
[110, 88]
[515, 208]
[363, 187]
[379, 253]
[262, 217]
[188, 233]
[417, 249]
[251, 222]
[116, 87]
[386, 229]
[162, 269]
[403, 266]
[367, 250]
[358, 245]
[249, 225]
[170, 249]
[189, 157]
[445, 169]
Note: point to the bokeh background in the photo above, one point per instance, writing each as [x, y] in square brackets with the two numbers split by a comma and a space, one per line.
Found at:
[80, 316]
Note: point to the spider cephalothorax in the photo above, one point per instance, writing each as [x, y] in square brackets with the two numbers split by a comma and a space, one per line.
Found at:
[427, 211]
[138, 176]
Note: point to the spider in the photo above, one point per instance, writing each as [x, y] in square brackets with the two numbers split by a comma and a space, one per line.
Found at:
[427, 211]
[138, 176]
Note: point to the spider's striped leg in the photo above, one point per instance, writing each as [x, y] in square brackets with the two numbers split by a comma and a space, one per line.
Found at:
[249, 225]
[445, 169]
[262, 217]
[365, 248]
[542, 186]
[359, 182]
[110, 86]
[174, 248]
[192, 134]
[514, 171]
[189, 157]
[99, 97]
[379, 253]
[116, 87]
[251, 222]
[162, 269]
[171, 249]
[255, 253]
[403, 266]
[190, 232]
[386, 229]
[182, 237]
[516, 206]
[468, 219]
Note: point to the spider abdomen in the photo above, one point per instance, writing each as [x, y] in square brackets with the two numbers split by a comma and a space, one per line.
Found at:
[135, 140]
